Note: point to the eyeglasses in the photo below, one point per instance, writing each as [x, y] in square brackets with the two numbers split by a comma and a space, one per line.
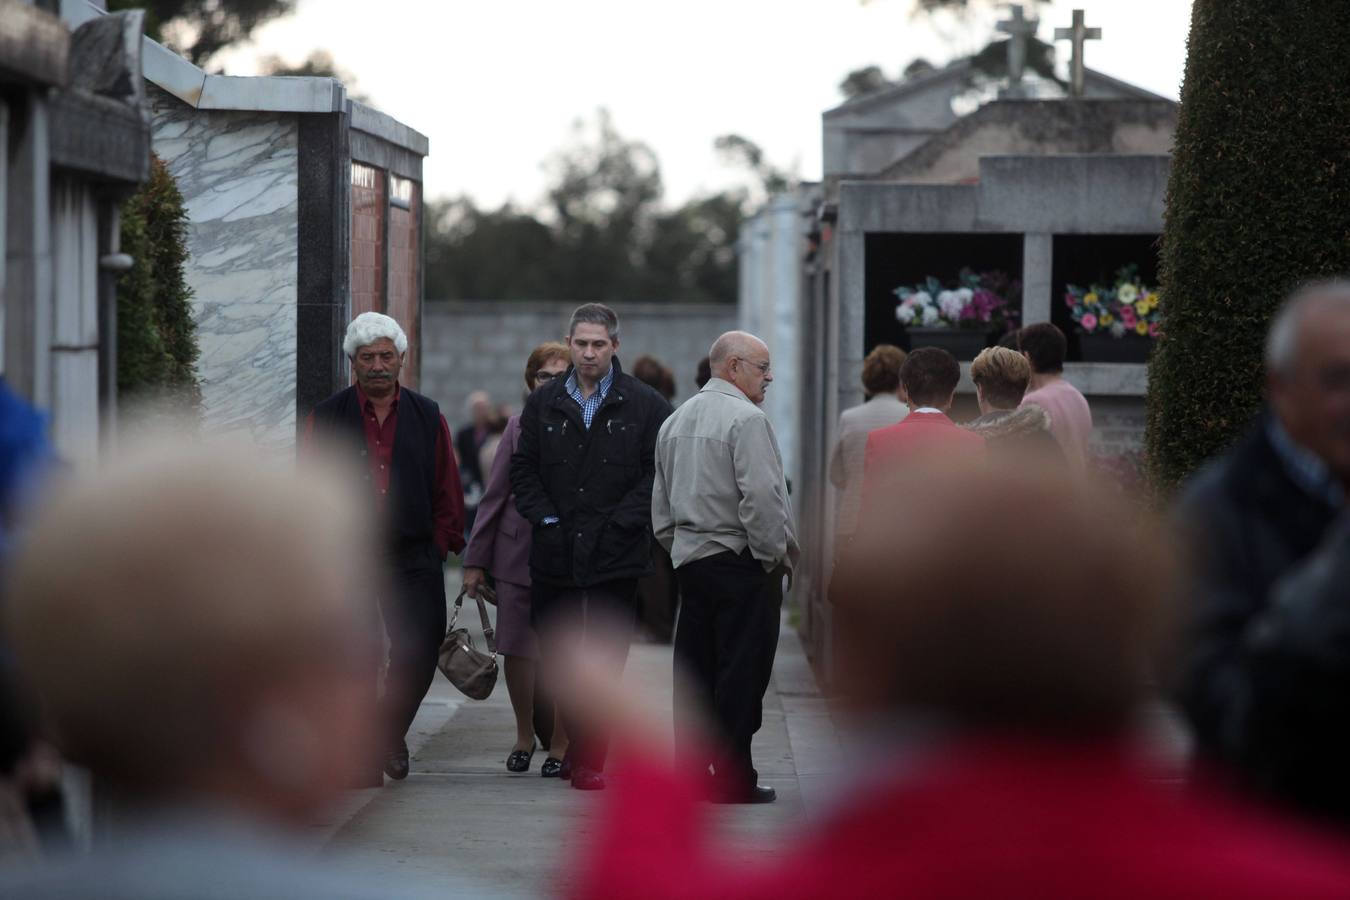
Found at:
[763, 367]
[542, 377]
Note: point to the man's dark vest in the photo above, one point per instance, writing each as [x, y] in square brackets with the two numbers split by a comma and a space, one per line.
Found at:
[412, 482]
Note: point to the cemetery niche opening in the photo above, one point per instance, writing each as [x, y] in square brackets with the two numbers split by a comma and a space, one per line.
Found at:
[1082, 262]
[907, 261]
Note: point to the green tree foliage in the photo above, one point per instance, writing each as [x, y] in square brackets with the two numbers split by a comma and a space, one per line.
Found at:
[602, 232]
[1257, 203]
[861, 82]
[199, 29]
[156, 336]
[319, 64]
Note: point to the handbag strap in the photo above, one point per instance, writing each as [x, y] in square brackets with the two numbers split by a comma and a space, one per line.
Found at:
[488, 631]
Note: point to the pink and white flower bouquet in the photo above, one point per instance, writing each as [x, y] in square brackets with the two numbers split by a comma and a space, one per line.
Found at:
[978, 302]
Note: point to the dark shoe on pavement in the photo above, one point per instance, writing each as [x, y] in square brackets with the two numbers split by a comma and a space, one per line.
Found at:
[565, 773]
[586, 780]
[519, 760]
[755, 794]
[396, 762]
[369, 777]
[552, 767]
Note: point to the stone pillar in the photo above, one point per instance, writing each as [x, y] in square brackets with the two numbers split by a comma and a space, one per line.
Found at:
[28, 262]
[1037, 267]
[782, 326]
[323, 271]
[852, 317]
[74, 350]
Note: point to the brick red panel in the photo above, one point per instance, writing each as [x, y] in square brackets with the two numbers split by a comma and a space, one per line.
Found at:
[405, 259]
[369, 205]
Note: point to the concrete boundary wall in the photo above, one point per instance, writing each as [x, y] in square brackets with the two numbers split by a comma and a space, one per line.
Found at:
[482, 345]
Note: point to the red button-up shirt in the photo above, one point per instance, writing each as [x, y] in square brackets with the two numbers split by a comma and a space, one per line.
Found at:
[447, 502]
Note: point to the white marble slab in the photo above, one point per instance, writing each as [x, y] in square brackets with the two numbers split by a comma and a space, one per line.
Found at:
[238, 172]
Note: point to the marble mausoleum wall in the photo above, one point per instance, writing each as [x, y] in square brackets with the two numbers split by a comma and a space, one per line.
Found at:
[238, 175]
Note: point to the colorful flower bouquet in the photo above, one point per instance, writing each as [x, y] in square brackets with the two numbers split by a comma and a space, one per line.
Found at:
[1127, 308]
[977, 302]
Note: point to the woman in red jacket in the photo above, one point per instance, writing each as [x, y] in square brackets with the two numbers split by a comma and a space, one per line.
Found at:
[1006, 652]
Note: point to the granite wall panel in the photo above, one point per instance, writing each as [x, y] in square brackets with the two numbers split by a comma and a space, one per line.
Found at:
[480, 345]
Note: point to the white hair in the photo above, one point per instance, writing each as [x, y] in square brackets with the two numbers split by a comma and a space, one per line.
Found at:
[1282, 339]
[368, 328]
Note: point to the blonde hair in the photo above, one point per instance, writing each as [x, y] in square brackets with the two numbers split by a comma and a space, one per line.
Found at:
[205, 578]
[1002, 376]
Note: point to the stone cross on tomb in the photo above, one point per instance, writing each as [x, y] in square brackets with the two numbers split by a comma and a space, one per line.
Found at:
[1020, 28]
[1080, 34]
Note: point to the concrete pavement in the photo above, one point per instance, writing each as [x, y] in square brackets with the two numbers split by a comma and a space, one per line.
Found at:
[460, 813]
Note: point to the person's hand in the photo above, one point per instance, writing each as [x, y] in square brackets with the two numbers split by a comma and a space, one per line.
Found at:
[474, 579]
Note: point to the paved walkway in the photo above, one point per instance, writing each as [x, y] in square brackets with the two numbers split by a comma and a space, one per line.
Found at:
[461, 814]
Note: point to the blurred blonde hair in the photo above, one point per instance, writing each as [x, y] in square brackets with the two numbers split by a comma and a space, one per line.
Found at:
[152, 603]
[1002, 376]
[1001, 594]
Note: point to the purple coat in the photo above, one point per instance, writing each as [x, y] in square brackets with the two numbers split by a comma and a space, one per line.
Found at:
[501, 537]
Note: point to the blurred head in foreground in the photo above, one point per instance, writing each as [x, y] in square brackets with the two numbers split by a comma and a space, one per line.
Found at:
[956, 609]
[192, 623]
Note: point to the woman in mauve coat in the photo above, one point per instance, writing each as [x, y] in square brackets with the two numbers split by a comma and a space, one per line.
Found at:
[500, 546]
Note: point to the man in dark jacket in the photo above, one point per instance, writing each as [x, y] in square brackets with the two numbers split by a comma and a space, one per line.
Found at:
[582, 477]
[1267, 681]
[400, 445]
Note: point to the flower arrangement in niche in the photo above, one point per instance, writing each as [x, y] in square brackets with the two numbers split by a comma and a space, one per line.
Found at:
[1127, 308]
[978, 301]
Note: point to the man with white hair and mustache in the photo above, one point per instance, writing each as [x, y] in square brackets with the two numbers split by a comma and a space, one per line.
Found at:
[402, 446]
[720, 508]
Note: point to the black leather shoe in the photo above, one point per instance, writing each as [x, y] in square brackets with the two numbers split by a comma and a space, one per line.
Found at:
[587, 780]
[756, 794]
[396, 762]
[519, 760]
[552, 767]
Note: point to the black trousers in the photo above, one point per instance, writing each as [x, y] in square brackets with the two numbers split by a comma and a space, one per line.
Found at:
[604, 616]
[658, 597]
[414, 618]
[725, 644]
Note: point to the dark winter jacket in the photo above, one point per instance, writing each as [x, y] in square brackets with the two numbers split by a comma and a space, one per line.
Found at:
[598, 482]
[1266, 682]
[1022, 430]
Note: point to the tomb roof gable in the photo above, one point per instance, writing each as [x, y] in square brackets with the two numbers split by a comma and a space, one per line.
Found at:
[1038, 127]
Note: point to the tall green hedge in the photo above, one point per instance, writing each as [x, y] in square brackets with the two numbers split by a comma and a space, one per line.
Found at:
[1259, 201]
[156, 336]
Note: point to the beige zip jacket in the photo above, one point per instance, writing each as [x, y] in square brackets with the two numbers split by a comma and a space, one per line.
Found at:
[719, 482]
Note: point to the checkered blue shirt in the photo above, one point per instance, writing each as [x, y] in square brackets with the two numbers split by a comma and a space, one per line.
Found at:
[589, 405]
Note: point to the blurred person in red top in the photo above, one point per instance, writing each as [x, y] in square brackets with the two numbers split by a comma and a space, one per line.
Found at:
[401, 446]
[1000, 702]
[929, 377]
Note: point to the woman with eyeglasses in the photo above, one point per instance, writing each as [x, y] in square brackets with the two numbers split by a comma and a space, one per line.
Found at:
[500, 547]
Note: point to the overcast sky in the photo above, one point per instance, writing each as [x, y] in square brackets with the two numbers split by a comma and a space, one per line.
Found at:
[496, 85]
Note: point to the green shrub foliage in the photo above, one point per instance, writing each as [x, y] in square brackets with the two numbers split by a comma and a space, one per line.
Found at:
[1259, 201]
[156, 336]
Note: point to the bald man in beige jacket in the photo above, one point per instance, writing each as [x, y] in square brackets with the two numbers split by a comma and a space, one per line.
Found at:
[720, 506]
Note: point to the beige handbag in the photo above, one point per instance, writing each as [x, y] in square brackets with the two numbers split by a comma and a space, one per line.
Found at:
[468, 668]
